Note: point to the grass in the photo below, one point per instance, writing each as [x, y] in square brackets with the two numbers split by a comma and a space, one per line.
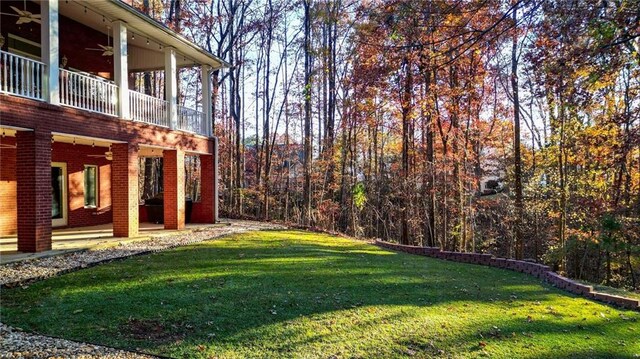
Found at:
[299, 294]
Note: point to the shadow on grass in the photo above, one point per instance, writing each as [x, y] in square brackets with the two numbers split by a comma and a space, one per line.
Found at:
[277, 293]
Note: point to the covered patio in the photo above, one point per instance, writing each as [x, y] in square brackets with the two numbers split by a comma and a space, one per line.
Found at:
[66, 240]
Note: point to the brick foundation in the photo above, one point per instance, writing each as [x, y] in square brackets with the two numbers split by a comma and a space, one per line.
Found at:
[174, 191]
[118, 179]
[33, 173]
[208, 200]
[124, 180]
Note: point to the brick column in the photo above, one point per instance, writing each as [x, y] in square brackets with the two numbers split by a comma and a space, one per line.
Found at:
[124, 190]
[207, 189]
[174, 191]
[33, 172]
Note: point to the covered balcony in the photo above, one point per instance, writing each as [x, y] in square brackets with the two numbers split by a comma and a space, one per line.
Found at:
[103, 56]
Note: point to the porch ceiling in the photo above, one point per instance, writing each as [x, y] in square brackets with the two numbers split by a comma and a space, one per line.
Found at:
[142, 56]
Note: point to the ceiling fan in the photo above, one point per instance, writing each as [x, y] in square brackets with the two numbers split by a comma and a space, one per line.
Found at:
[107, 155]
[24, 16]
[107, 50]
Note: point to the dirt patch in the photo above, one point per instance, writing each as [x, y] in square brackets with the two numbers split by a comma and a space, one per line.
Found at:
[154, 330]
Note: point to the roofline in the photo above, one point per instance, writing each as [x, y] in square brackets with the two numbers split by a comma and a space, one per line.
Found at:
[163, 27]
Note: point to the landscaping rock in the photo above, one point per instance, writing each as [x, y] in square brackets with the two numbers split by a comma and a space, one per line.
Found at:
[24, 272]
[18, 344]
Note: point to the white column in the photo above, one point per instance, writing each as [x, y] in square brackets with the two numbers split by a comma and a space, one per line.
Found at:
[171, 85]
[50, 51]
[206, 99]
[120, 67]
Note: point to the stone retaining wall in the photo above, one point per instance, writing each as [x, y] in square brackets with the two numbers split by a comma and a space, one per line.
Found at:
[534, 269]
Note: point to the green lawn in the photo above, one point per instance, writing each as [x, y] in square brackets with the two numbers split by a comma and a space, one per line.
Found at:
[299, 294]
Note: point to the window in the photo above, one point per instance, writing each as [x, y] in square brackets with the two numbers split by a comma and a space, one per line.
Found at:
[90, 186]
[21, 46]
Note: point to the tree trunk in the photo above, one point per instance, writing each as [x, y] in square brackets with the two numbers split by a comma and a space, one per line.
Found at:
[307, 114]
[519, 241]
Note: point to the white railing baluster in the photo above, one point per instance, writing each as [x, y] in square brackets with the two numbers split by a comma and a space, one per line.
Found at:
[87, 92]
[190, 120]
[149, 109]
[27, 79]
[20, 75]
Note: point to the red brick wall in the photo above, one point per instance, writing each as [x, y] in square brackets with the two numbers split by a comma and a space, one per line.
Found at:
[75, 157]
[8, 203]
[124, 178]
[74, 38]
[33, 168]
[25, 113]
[45, 118]
[203, 212]
[174, 191]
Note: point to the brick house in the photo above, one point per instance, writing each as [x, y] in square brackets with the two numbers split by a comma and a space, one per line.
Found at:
[73, 128]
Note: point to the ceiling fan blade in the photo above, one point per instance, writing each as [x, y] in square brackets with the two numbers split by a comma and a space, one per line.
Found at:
[36, 16]
[8, 14]
[18, 11]
[37, 21]
[23, 20]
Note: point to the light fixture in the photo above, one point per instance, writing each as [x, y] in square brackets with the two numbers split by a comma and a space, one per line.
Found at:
[93, 144]
[85, 9]
[133, 36]
[102, 18]
[147, 41]
[74, 141]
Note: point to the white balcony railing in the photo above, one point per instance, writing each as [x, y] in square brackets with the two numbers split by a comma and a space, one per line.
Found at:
[21, 76]
[148, 109]
[191, 120]
[88, 92]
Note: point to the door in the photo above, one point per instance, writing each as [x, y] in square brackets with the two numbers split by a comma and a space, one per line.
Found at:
[58, 194]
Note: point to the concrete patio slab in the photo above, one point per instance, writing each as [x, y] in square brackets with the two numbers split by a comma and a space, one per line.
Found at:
[68, 240]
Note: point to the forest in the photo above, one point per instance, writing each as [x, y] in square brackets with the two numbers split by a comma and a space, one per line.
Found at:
[509, 127]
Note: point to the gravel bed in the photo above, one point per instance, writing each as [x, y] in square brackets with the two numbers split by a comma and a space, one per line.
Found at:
[18, 344]
[24, 272]
[15, 343]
